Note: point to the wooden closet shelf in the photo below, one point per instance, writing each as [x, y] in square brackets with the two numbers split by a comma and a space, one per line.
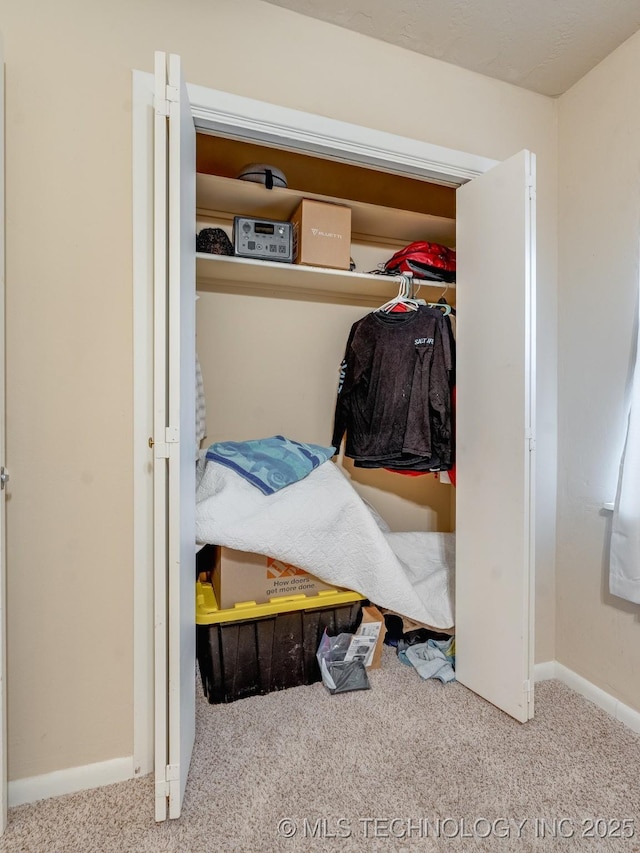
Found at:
[224, 273]
[230, 197]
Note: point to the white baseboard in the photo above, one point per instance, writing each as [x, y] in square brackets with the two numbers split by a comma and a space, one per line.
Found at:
[552, 669]
[120, 769]
[544, 671]
[70, 781]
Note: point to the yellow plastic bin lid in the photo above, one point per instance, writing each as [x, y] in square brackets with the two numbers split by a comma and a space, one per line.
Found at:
[208, 612]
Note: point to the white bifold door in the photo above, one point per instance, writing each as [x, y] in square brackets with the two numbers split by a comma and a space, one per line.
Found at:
[4, 479]
[495, 435]
[174, 434]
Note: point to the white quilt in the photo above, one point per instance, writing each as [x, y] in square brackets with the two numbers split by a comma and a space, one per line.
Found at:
[322, 525]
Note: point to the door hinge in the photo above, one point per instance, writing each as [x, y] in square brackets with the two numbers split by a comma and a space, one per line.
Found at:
[161, 448]
[162, 790]
[161, 106]
[528, 690]
[531, 186]
[172, 435]
[530, 438]
[173, 95]
[4, 477]
[172, 772]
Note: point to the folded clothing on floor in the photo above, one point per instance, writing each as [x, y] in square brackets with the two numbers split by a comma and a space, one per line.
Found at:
[433, 659]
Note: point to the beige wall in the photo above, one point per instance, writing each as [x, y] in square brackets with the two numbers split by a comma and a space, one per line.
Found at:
[598, 635]
[69, 306]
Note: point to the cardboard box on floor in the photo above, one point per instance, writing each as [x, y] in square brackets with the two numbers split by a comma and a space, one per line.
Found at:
[373, 626]
[244, 576]
[322, 234]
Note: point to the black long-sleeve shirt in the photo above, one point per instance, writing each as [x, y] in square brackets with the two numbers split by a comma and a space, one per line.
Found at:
[394, 399]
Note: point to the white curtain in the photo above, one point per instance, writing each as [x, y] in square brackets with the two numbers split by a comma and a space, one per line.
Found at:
[624, 558]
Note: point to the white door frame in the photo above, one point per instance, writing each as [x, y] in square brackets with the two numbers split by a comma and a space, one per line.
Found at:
[248, 119]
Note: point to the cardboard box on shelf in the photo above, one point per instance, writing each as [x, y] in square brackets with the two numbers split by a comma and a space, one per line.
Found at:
[244, 576]
[322, 234]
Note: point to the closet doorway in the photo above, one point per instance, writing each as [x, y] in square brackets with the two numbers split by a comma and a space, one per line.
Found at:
[495, 369]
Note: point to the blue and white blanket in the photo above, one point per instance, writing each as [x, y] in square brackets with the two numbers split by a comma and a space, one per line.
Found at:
[270, 464]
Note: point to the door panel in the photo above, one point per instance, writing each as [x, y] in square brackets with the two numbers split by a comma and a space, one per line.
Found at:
[160, 421]
[495, 297]
[174, 435]
[182, 415]
[3, 476]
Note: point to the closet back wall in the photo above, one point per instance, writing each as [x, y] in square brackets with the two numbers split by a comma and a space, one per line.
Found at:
[270, 366]
[70, 346]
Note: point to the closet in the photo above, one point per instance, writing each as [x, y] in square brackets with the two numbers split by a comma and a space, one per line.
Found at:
[263, 328]
[282, 328]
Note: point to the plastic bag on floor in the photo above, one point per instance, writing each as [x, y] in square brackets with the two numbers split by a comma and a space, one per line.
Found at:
[341, 661]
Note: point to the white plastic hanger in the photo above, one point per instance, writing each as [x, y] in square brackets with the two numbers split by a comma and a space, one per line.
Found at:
[444, 305]
[404, 297]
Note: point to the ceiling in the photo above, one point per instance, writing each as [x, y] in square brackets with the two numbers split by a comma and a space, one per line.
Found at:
[542, 45]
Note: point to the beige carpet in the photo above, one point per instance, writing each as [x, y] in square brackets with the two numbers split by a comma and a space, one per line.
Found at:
[417, 752]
